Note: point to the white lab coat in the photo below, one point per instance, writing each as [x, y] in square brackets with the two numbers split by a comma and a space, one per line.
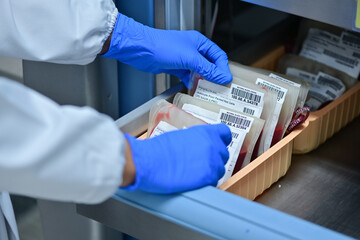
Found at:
[49, 151]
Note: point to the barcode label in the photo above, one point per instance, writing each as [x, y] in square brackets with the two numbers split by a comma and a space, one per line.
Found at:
[342, 59]
[284, 80]
[222, 95]
[239, 94]
[319, 94]
[356, 55]
[320, 97]
[330, 83]
[350, 40]
[330, 94]
[331, 50]
[246, 95]
[235, 120]
[300, 74]
[235, 135]
[334, 85]
[281, 92]
[249, 111]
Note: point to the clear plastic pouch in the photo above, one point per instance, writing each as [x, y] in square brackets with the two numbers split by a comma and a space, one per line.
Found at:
[340, 51]
[326, 83]
[260, 101]
[244, 127]
[303, 85]
[165, 117]
[287, 97]
[308, 65]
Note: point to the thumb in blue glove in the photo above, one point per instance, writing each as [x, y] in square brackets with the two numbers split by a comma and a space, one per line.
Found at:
[180, 160]
[168, 51]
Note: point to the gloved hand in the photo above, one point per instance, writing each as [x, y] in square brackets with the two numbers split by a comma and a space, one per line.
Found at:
[168, 51]
[180, 160]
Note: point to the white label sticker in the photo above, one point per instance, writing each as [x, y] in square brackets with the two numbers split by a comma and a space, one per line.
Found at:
[239, 125]
[323, 87]
[302, 75]
[350, 40]
[201, 113]
[235, 120]
[220, 95]
[247, 95]
[281, 92]
[334, 83]
[318, 95]
[327, 48]
[272, 75]
[161, 128]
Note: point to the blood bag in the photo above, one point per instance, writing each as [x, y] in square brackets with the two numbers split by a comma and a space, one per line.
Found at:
[245, 128]
[286, 102]
[165, 117]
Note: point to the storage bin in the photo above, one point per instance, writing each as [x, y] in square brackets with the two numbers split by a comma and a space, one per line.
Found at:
[265, 170]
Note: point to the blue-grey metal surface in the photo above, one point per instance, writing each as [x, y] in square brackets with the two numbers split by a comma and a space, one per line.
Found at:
[323, 186]
[336, 12]
[135, 87]
[211, 212]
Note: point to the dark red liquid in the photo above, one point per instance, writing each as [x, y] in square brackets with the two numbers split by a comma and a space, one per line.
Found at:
[240, 160]
[256, 148]
[277, 135]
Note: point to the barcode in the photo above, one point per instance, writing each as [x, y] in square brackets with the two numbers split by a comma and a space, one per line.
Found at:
[329, 82]
[278, 91]
[350, 61]
[357, 55]
[247, 95]
[332, 95]
[249, 111]
[321, 98]
[235, 120]
[235, 135]
[351, 39]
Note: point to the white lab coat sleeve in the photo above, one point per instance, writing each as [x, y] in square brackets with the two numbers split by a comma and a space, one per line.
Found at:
[65, 31]
[63, 153]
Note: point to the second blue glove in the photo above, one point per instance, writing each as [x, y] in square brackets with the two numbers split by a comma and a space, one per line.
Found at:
[180, 160]
[168, 51]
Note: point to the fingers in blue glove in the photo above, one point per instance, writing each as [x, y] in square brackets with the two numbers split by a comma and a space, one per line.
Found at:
[173, 52]
[212, 62]
[180, 160]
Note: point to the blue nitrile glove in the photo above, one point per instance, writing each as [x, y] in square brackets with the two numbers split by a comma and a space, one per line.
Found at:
[180, 160]
[168, 51]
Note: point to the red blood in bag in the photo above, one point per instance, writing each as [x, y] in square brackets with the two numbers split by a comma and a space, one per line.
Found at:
[277, 135]
[256, 147]
[240, 161]
[160, 116]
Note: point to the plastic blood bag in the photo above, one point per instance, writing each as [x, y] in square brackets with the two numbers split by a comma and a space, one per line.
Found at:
[165, 117]
[330, 49]
[243, 97]
[245, 129]
[286, 102]
[303, 85]
[324, 87]
[310, 66]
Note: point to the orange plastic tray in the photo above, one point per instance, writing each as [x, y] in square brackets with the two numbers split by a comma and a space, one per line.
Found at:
[323, 124]
[265, 170]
